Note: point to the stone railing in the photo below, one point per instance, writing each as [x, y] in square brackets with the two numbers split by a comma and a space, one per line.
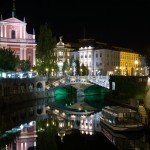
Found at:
[17, 40]
[99, 80]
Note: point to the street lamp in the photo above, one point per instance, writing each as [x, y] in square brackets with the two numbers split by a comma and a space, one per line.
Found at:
[46, 71]
[70, 71]
[81, 70]
[96, 72]
[65, 72]
[52, 72]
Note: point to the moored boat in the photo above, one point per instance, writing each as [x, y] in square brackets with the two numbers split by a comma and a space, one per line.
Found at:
[121, 119]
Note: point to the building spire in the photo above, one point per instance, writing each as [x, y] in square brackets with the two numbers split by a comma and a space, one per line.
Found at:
[14, 9]
[24, 20]
[33, 34]
[33, 31]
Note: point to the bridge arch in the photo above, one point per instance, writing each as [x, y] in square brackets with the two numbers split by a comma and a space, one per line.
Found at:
[39, 110]
[39, 86]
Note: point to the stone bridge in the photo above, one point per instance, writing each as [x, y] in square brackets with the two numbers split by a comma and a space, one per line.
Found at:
[99, 80]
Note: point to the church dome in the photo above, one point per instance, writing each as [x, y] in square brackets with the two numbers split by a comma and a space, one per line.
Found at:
[60, 43]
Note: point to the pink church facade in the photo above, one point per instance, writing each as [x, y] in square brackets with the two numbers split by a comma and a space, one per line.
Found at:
[13, 35]
[27, 139]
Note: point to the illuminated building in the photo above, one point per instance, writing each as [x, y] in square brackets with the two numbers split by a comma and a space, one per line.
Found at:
[27, 138]
[13, 35]
[63, 54]
[103, 59]
[98, 57]
[131, 63]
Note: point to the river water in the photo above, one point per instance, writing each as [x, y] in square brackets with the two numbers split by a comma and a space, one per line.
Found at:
[55, 133]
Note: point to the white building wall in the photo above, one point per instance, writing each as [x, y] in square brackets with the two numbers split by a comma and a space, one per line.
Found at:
[86, 57]
[102, 61]
[110, 60]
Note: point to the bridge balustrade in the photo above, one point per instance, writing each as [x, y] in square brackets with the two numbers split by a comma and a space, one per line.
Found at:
[99, 80]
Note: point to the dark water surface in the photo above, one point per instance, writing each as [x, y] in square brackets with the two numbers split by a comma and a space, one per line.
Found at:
[49, 138]
[85, 142]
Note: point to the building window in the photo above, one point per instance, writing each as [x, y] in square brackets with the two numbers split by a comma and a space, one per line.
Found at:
[81, 56]
[96, 55]
[90, 56]
[100, 54]
[85, 56]
[13, 34]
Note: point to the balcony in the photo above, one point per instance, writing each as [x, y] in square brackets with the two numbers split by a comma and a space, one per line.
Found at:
[17, 40]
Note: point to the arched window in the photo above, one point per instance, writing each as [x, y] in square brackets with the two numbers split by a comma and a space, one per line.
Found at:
[13, 35]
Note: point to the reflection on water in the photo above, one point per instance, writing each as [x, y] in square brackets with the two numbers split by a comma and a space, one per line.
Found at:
[57, 132]
[93, 95]
[127, 141]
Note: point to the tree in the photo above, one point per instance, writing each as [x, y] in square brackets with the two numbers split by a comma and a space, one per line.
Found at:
[85, 70]
[77, 67]
[66, 67]
[46, 59]
[25, 65]
[71, 66]
[8, 60]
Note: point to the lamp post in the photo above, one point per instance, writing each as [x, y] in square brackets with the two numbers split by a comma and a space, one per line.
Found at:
[126, 71]
[52, 72]
[81, 70]
[46, 72]
[74, 68]
[61, 129]
[116, 70]
[96, 72]
[65, 72]
[71, 71]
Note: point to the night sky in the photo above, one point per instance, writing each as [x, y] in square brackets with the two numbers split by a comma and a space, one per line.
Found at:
[120, 23]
